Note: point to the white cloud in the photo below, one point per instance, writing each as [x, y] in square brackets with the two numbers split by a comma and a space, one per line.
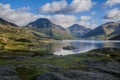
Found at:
[112, 2]
[54, 6]
[63, 20]
[85, 18]
[17, 16]
[86, 21]
[68, 20]
[88, 24]
[113, 14]
[75, 6]
[80, 5]
[24, 9]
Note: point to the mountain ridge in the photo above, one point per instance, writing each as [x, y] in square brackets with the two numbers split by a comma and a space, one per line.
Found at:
[4, 22]
[103, 30]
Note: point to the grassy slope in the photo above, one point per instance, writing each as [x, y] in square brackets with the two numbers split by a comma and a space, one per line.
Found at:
[19, 40]
[62, 34]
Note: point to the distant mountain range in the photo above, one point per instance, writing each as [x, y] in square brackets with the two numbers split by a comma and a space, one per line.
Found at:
[44, 28]
[78, 30]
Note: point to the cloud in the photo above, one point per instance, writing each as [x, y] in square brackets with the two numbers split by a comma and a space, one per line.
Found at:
[75, 6]
[87, 22]
[63, 20]
[111, 3]
[93, 13]
[80, 5]
[21, 17]
[85, 18]
[68, 20]
[113, 14]
[18, 16]
[54, 7]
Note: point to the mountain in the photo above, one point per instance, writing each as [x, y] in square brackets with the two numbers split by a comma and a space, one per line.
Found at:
[4, 22]
[45, 26]
[78, 30]
[102, 31]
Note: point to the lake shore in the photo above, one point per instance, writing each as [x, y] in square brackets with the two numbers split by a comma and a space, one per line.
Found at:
[102, 64]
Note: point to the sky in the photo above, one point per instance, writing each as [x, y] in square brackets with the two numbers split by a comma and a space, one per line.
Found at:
[89, 13]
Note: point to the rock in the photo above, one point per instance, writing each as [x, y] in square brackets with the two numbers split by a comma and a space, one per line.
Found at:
[7, 72]
[69, 47]
[86, 75]
[76, 75]
[51, 76]
[106, 66]
[9, 78]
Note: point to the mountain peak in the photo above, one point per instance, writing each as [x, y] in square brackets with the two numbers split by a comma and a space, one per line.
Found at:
[45, 26]
[77, 25]
[42, 19]
[78, 30]
[41, 23]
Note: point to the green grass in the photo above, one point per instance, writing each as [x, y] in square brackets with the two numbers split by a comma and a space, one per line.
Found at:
[27, 73]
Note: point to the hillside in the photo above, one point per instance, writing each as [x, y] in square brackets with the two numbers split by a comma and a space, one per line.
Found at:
[45, 26]
[78, 30]
[18, 39]
[102, 31]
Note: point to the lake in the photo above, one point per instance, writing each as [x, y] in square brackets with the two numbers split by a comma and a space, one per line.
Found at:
[81, 46]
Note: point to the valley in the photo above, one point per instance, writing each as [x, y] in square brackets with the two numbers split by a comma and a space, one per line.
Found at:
[26, 52]
[59, 39]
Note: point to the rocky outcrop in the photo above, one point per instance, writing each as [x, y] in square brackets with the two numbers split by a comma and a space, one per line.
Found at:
[76, 75]
[51, 76]
[7, 72]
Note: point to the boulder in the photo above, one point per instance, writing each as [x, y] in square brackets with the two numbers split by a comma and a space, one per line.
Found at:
[7, 72]
[51, 76]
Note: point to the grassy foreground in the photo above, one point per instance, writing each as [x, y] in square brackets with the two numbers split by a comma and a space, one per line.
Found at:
[30, 68]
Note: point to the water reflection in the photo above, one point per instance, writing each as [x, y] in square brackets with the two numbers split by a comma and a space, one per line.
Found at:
[81, 46]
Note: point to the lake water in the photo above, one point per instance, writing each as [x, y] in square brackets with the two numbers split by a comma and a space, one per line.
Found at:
[81, 46]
